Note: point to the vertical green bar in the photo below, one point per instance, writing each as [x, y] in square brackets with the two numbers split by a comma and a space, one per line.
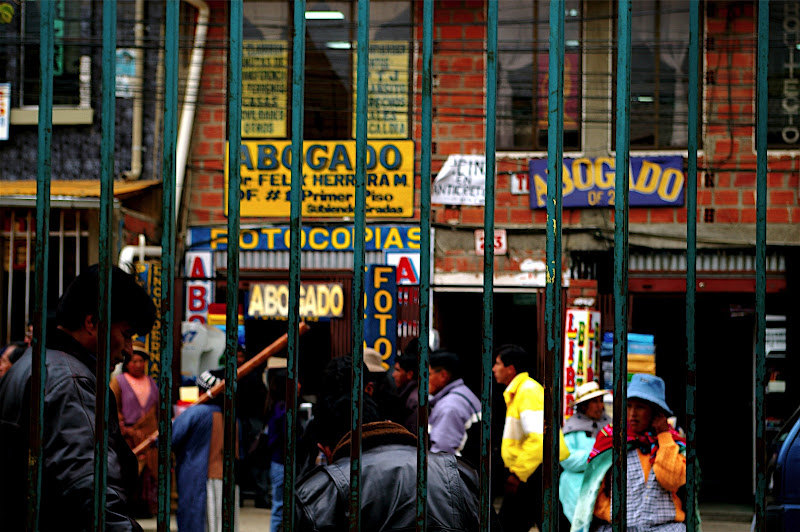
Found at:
[298, 93]
[108, 116]
[762, 115]
[168, 169]
[552, 315]
[621, 265]
[362, 78]
[488, 266]
[44, 171]
[232, 300]
[691, 262]
[425, 265]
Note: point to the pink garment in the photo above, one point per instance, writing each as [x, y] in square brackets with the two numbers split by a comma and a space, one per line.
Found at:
[140, 387]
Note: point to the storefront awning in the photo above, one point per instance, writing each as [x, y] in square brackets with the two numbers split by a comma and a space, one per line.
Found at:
[80, 188]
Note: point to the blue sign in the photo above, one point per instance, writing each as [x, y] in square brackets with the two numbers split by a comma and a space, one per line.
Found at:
[380, 311]
[322, 238]
[589, 182]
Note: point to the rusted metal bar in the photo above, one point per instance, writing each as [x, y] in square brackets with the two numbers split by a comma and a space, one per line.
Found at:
[298, 93]
[762, 114]
[553, 360]
[359, 225]
[232, 297]
[44, 172]
[691, 262]
[621, 186]
[104, 247]
[168, 166]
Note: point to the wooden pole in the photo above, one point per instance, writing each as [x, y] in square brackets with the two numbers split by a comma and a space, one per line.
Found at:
[246, 368]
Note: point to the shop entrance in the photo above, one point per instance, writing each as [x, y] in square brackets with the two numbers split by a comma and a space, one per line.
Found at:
[725, 340]
[315, 348]
[459, 318]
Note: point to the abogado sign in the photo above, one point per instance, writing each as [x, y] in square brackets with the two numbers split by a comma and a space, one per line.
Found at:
[587, 182]
[317, 300]
[328, 179]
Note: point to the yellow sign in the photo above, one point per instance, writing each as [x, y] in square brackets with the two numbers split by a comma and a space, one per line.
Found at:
[271, 300]
[328, 179]
[264, 87]
[387, 107]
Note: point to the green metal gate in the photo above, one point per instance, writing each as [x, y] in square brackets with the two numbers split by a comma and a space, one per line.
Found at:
[553, 382]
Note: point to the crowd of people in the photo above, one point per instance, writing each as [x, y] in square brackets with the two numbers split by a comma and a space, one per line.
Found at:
[656, 464]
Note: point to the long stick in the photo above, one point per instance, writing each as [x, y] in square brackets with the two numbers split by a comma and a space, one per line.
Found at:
[246, 368]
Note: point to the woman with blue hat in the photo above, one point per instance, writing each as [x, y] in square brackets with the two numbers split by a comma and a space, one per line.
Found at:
[656, 466]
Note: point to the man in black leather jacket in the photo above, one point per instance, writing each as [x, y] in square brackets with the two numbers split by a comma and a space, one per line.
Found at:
[388, 483]
[67, 486]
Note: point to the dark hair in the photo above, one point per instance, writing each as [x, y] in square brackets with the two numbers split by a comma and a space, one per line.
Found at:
[129, 302]
[332, 417]
[126, 358]
[338, 374]
[17, 352]
[514, 355]
[409, 359]
[447, 360]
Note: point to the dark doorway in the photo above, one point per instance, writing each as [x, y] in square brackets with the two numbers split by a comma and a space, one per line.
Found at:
[315, 348]
[724, 339]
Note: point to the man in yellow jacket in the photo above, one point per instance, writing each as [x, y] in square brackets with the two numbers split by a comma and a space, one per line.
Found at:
[523, 440]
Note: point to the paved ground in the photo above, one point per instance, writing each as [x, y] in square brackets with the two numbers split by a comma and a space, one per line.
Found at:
[716, 518]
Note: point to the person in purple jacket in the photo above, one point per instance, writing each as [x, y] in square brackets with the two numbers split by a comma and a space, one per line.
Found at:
[454, 408]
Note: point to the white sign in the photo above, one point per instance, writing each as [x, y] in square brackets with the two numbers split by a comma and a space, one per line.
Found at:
[5, 109]
[461, 181]
[407, 266]
[500, 242]
[519, 185]
[199, 286]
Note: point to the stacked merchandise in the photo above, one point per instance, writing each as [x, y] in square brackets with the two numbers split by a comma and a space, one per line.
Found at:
[641, 356]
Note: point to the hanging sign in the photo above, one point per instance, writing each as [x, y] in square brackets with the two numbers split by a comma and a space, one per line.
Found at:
[323, 238]
[581, 352]
[317, 300]
[387, 102]
[148, 275]
[5, 110]
[199, 295]
[380, 311]
[329, 179]
[461, 181]
[589, 182]
[264, 88]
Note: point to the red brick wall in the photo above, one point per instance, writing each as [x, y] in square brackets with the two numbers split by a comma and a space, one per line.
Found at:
[204, 181]
[728, 163]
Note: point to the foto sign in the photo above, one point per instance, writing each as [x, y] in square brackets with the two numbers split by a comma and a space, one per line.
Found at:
[587, 182]
[380, 311]
[328, 178]
[500, 242]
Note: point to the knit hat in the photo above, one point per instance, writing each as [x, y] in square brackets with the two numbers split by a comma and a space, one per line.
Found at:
[650, 388]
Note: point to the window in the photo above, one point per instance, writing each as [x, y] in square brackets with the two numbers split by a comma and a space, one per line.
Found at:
[330, 77]
[523, 46]
[783, 122]
[72, 18]
[659, 75]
